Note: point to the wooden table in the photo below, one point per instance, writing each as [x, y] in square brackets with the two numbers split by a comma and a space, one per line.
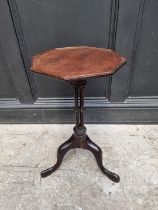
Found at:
[75, 65]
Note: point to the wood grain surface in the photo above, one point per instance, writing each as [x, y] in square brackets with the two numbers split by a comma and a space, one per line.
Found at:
[70, 63]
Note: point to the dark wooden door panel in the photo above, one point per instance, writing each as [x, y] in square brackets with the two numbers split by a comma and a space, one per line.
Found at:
[28, 27]
[144, 81]
[125, 37]
[52, 23]
[13, 79]
[6, 85]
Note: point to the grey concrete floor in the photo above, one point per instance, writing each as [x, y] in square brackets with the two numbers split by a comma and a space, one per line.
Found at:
[129, 150]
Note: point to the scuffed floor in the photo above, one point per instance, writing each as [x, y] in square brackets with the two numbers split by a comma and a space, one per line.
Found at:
[129, 150]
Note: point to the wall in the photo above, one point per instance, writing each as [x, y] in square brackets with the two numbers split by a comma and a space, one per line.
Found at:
[32, 26]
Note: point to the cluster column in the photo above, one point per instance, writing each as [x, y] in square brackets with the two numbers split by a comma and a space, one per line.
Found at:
[79, 86]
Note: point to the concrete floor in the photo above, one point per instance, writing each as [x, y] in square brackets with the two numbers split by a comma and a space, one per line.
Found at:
[129, 150]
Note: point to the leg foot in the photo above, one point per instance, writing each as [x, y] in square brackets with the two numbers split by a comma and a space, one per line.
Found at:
[85, 143]
[60, 155]
[97, 152]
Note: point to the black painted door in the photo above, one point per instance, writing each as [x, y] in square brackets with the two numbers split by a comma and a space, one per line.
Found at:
[32, 26]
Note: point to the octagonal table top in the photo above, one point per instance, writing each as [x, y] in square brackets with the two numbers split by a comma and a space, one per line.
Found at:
[78, 62]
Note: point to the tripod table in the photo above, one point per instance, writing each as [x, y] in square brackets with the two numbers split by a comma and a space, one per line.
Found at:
[75, 65]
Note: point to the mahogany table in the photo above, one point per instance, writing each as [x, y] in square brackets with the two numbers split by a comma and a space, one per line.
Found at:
[75, 65]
